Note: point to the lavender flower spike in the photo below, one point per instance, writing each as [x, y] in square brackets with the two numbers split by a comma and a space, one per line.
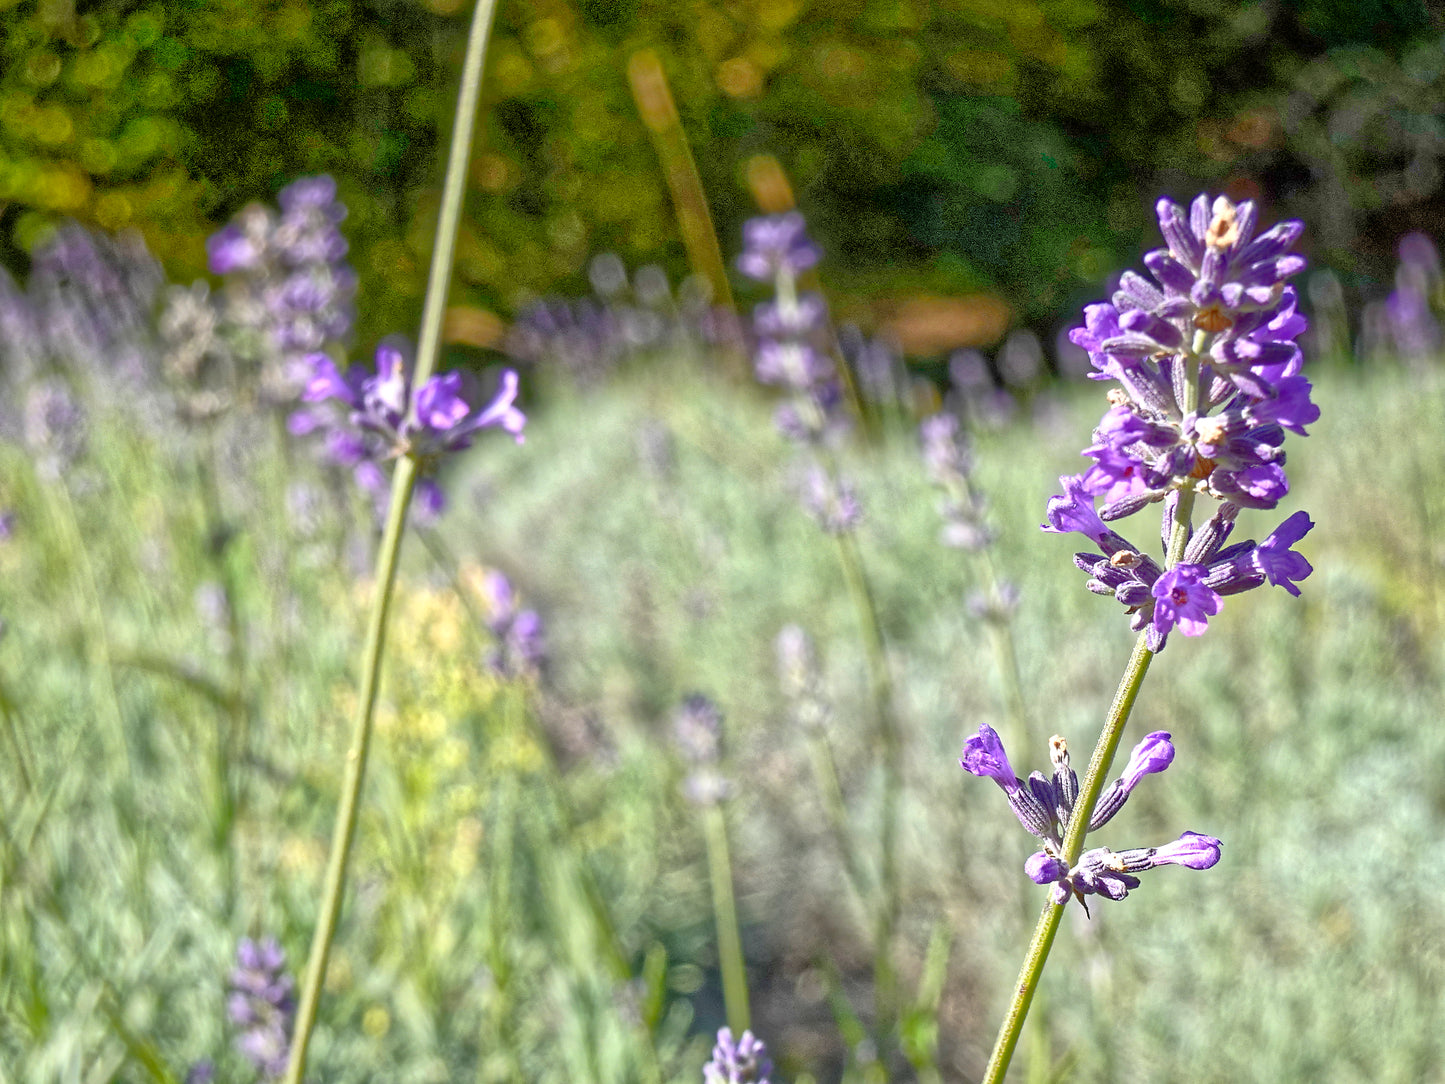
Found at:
[740, 1061]
[984, 756]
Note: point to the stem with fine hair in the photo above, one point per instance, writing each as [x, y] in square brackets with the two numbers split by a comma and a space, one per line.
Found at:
[402, 484]
[725, 914]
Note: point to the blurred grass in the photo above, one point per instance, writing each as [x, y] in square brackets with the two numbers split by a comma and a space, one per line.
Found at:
[653, 525]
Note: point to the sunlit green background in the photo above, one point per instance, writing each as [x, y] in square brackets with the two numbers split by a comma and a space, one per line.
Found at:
[937, 145]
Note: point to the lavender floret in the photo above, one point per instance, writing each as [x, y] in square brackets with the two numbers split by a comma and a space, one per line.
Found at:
[738, 1061]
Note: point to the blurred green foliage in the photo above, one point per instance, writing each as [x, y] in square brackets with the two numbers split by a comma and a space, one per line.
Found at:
[654, 526]
[938, 145]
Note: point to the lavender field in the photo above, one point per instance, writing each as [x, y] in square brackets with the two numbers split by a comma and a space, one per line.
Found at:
[577, 668]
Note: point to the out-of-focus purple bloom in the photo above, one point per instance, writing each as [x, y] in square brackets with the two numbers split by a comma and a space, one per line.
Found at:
[262, 1005]
[289, 289]
[55, 424]
[519, 636]
[384, 421]
[831, 501]
[1182, 599]
[203, 1072]
[777, 244]
[697, 730]
[7, 524]
[738, 1061]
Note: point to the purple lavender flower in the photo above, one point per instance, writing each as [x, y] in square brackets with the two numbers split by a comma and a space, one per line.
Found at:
[984, 756]
[262, 1005]
[697, 731]
[738, 1061]
[777, 244]
[1208, 372]
[831, 501]
[1182, 599]
[289, 289]
[1192, 851]
[519, 643]
[1274, 557]
[1044, 805]
[386, 420]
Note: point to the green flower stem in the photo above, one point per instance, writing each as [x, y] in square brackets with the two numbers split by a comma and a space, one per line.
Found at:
[402, 483]
[1053, 913]
[881, 680]
[334, 889]
[725, 913]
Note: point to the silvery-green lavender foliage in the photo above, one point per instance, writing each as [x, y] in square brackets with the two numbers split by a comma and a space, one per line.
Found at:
[1221, 296]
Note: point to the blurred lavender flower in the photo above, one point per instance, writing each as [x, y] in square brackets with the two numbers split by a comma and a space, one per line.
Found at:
[590, 338]
[383, 418]
[1044, 806]
[54, 426]
[203, 1072]
[289, 290]
[94, 298]
[519, 646]
[262, 1005]
[196, 359]
[7, 524]
[830, 500]
[799, 678]
[738, 1061]
[1414, 328]
[1221, 305]
[697, 731]
[777, 244]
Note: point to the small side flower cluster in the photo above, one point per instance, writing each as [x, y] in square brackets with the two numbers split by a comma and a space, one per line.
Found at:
[381, 417]
[738, 1061]
[288, 285]
[1045, 805]
[262, 1004]
[792, 353]
[697, 731]
[1208, 373]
